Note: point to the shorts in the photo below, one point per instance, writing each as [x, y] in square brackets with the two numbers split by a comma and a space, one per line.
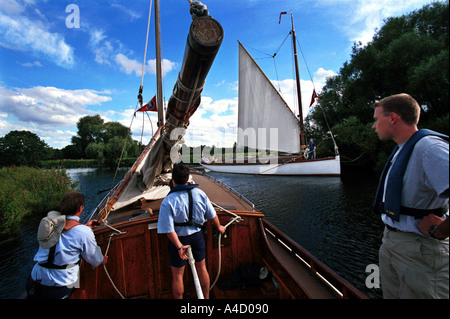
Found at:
[37, 291]
[197, 244]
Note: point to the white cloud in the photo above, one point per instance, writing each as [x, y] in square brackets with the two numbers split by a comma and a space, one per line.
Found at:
[321, 75]
[96, 36]
[49, 105]
[217, 107]
[32, 64]
[21, 33]
[360, 18]
[129, 66]
[51, 113]
[55, 138]
[132, 14]
[11, 7]
[217, 129]
[289, 91]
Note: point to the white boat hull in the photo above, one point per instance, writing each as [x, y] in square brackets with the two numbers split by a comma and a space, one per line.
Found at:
[325, 167]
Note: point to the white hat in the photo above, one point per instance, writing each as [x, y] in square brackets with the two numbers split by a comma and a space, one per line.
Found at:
[50, 229]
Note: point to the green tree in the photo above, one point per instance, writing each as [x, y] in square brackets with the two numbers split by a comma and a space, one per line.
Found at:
[408, 54]
[105, 142]
[90, 130]
[22, 148]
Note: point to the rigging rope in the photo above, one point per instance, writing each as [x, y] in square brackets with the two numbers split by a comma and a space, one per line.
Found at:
[306, 64]
[236, 218]
[106, 270]
[323, 112]
[140, 99]
[146, 42]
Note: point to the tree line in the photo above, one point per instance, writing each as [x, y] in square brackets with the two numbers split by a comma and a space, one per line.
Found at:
[95, 139]
[409, 54]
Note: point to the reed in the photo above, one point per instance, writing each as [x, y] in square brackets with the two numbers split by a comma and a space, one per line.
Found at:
[25, 191]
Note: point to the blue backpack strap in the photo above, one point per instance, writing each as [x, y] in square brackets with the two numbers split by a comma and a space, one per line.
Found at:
[378, 205]
[392, 205]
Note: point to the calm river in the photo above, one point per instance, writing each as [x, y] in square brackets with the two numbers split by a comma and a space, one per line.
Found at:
[329, 216]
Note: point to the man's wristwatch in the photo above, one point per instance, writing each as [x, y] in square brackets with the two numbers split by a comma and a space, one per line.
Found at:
[431, 231]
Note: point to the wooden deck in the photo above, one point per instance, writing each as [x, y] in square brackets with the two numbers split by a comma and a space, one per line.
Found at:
[138, 261]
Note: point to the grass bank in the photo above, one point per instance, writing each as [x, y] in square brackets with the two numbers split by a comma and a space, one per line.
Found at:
[25, 191]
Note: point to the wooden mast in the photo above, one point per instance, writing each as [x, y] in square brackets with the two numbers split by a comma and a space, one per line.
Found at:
[297, 78]
[159, 95]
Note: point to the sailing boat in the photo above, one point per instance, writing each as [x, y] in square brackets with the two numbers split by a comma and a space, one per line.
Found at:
[265, 122]
[138, 259]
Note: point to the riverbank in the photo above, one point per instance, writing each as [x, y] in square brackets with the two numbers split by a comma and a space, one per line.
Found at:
[26, 191]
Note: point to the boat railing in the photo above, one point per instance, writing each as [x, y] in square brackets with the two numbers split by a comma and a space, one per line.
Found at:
[341, 287]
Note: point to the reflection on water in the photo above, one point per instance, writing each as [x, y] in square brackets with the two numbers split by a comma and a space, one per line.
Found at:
[331, 217]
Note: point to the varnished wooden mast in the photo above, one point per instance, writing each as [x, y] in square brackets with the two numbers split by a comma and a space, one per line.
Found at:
[159, 95]
[297, 78]
[299, 93]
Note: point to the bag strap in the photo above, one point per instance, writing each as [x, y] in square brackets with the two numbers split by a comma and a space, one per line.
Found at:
[70, 223]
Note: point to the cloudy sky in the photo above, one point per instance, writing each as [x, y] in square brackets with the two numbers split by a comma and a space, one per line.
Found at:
[56, 68]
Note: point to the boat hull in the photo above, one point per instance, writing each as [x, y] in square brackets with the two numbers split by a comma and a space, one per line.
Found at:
[138, 259]
[317, 167]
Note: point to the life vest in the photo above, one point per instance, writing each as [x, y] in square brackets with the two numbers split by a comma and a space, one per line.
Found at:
[70, 223]
[392, 205]
[188, 188]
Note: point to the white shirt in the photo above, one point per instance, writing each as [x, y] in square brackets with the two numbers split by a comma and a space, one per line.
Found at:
[75, 243]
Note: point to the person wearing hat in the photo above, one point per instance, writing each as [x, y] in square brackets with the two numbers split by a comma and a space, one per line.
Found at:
[63, 240]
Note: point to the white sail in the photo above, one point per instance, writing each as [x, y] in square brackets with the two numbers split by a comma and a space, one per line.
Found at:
[265, 121]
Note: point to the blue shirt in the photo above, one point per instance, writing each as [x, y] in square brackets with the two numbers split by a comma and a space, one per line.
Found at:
[175, 209]
[425, 181]
[75, 243]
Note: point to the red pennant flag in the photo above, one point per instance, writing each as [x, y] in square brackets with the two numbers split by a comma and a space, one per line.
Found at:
[150, 106]
[313, 98]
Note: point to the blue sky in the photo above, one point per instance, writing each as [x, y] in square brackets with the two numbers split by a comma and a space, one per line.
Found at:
[51, 75]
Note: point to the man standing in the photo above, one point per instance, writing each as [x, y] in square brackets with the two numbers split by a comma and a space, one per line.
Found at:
[181, 216]
[312, 149]
[412, 198]
[63, 240]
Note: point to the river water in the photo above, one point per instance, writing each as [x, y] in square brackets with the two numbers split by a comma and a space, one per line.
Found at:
[331, 217]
